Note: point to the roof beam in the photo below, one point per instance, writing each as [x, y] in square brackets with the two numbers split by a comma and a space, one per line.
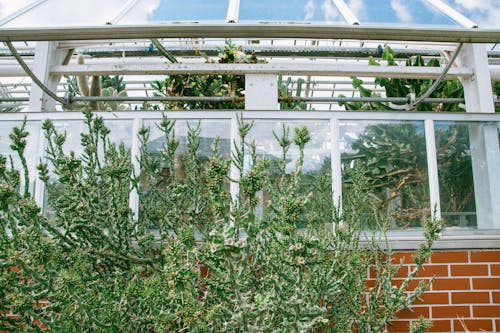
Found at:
[291, 31]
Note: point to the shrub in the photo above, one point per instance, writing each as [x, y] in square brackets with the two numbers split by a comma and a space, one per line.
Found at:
[195, 259]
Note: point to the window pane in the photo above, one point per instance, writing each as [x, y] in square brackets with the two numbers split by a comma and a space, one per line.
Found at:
[456, 183]
[176, 10]
[316, 173]
[390, 158]
[291, 10]
[161, 176]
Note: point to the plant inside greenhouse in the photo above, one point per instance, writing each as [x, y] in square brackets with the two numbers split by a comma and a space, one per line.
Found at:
[249, 166]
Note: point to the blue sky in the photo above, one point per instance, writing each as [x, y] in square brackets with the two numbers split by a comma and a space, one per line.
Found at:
[394, 12]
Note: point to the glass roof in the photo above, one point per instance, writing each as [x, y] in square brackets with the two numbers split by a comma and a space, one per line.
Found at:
[60, 13]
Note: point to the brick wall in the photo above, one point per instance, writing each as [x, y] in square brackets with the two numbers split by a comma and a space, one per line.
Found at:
[466, 288]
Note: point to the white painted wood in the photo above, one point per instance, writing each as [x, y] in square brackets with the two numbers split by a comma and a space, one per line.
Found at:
[46, 55]
[432, 169]
[346, 12]
[295, 68]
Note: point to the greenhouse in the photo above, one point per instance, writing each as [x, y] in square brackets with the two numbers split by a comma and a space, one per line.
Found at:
[306, 112]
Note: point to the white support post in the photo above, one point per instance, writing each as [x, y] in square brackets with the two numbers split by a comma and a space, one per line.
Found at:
[346, 12]
[484, 145]
[46, 55]
[135, 156]
[336, 164]
[234, 173]
[39, 193]
[233, 10]
[432, 169]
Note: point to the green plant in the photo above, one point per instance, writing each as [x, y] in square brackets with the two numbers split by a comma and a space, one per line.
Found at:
[194, 260]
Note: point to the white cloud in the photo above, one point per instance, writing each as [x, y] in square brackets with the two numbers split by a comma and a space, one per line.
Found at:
[357, 7]
[486, 13]
[309, 10]
[401, 10]
[330, 12]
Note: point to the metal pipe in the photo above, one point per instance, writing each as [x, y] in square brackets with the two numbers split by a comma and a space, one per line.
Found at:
[32, 75]
[270, 30]
[241, 99]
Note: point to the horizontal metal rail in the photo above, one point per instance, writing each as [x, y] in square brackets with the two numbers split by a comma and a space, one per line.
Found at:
[262, 30]
[241, 99]
[262, 115]
[298, 68]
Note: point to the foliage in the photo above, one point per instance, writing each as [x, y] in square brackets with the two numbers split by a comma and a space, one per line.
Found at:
[194, 260]
[403, 87]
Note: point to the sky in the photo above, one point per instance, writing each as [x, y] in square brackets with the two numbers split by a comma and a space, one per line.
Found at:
[396, 12]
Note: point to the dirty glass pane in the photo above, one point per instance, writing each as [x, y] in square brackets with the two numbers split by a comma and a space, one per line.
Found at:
[387, 160]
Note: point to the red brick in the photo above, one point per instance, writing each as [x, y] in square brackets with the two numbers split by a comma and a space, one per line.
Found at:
[473, 325]
[469, 270]
[495, 269]
[440, 326]
[433, 270]
[486, 311]
[449, 256]
[485, 256]
[486, 283]
[369, 284]
[401, 273]
[451, 284]
[497, 323]
[470, 297]
[496, 297]
[399, 326]
[450, 311]
[416, 312]
[433, 298]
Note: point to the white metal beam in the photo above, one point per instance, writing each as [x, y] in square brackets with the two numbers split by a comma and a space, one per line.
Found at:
[21, 11]
[46, 55]
[346, 12]
[254, 31]
[123, 11]
[432, 169]
[296, 68]
[233, 10]
[452, 13]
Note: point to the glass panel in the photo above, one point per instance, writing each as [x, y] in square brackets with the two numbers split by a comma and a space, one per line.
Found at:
[121, 132]
[390, 158]
[400, 12]
[176, 10]
[69, 13]
[31, 150]
[456, 183]
[157, 184]
[8, 7]
[316, 172]
[290, 10]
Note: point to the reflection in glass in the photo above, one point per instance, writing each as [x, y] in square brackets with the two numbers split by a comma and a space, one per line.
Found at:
[176, 10]
[390, 159]
[316, 172]
[290, 10]
[456, 182]
[171, 176]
